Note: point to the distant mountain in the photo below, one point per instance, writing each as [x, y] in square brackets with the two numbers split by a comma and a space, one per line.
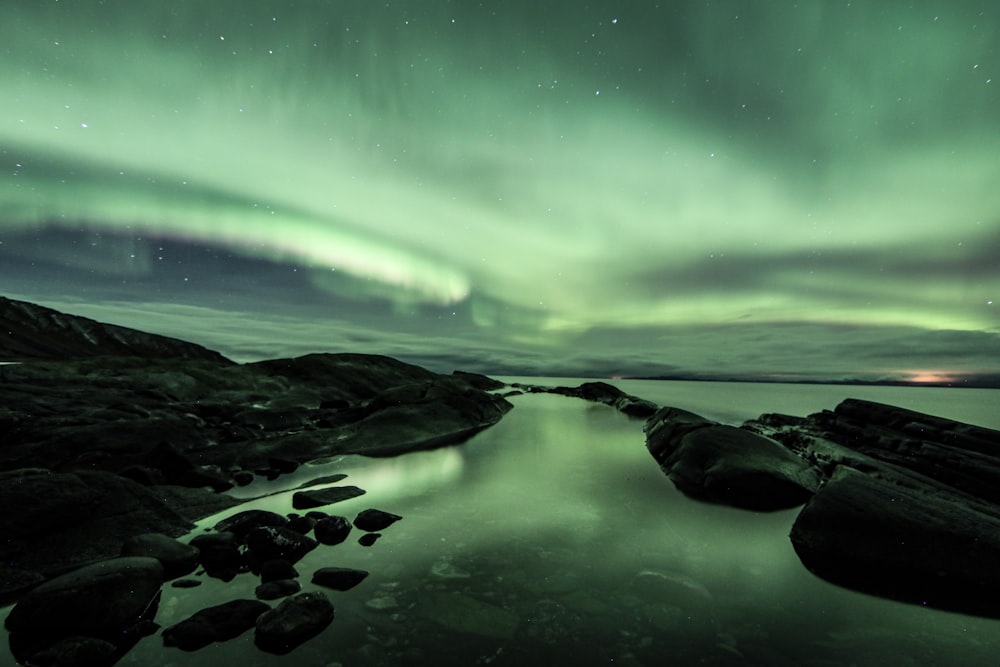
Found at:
[30, 331]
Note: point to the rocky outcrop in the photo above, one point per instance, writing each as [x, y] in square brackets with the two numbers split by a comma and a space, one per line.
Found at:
[724, 464]
[600, 392]
[107, 601]
[30, 331]
[130, 433]
[215, 624]
[910, 507]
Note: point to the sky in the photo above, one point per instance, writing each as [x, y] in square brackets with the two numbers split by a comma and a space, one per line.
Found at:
[711, 188]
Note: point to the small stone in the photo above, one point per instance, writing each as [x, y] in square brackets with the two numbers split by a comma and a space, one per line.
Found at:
[338, 578]
[333, 494]
[280, 588]
[271, 543]
[241, 523]
[273, 570]
[382, 603]
[185, 583]
[369, 539]
[372, 520]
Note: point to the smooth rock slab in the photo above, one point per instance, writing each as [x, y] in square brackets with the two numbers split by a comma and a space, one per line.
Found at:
[214, 624]
[99, 600]
[293, 622]
[338, 578]
[728, 465]
[926, 545]
[372, 520]
[303, 500]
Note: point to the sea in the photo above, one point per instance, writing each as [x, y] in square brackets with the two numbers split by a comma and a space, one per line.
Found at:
[553, 538]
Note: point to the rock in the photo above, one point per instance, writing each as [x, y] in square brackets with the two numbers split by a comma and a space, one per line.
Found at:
[178, 469]
[102, 600]
[372, 520]
[302, 500]
[243, 478]
[479, 381]
[293, 622]
[176, 557]
[728, 465]
[215, 624]
[325, 479]
[77, 652]
[242, 523]
[280, 588]
[185, 583]
[332, 530]
[301, 524]
[270, 543]
[889, 537]
[338, 578]
[368, 539]
[219, 555]
[273, 570]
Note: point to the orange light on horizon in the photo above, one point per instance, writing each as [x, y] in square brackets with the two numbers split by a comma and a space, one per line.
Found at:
[931, 377]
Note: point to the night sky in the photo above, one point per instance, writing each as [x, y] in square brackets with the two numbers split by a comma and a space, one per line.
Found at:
[718, 188]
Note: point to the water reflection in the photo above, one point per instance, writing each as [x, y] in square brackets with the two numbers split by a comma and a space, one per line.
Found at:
[553, 538]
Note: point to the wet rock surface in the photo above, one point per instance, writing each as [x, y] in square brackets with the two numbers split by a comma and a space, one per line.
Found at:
[293, 622]
[215, 624]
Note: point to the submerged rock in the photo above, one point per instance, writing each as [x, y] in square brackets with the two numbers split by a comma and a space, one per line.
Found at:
[293, 622]
[215, 624]
[462, 613]
[338, 578]
[303, 500]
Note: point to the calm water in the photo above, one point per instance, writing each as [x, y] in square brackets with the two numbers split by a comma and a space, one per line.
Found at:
[553, 538]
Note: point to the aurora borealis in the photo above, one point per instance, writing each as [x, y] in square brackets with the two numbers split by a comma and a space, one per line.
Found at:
[793, 189]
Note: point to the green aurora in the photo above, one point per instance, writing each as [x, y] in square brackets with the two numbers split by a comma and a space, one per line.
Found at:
[793, 189]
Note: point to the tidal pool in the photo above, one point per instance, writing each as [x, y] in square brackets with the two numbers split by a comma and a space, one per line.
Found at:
[554, 538]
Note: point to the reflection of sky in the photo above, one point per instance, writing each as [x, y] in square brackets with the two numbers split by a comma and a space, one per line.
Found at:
[560, 505]
[726, 188]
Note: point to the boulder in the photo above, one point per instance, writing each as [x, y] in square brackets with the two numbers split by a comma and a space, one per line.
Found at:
[273, 570]
[215, 624]
[293, 622]
[270, 543]
[176, 557]
[332, 530]
[242, 523]
[724, 464]
[219, 554]
[914, 542]
[103, 600]
[372, 520]
[77, 652]
[338, 578]
[303, 500]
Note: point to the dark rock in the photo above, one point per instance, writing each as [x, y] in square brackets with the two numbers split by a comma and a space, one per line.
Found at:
[273, 570]
[66, 520]
[914, 542]
[185, 583]
[219, 555]
[301, 524]
[77, 652]
[176, 557]
[284, 466]
[724, 464]
[242, 523]
[36, 332]
[338, 578]
[478, 381]
[293, 622]
[100, 600]
[372, 520]
[302, 500]
[280, 588]
[14, 582]
[215, 624]
[316, 514]
[178, 469]
[270, 543]
[243, 478]
[368, 539]
[325, 479]
[332, 530]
